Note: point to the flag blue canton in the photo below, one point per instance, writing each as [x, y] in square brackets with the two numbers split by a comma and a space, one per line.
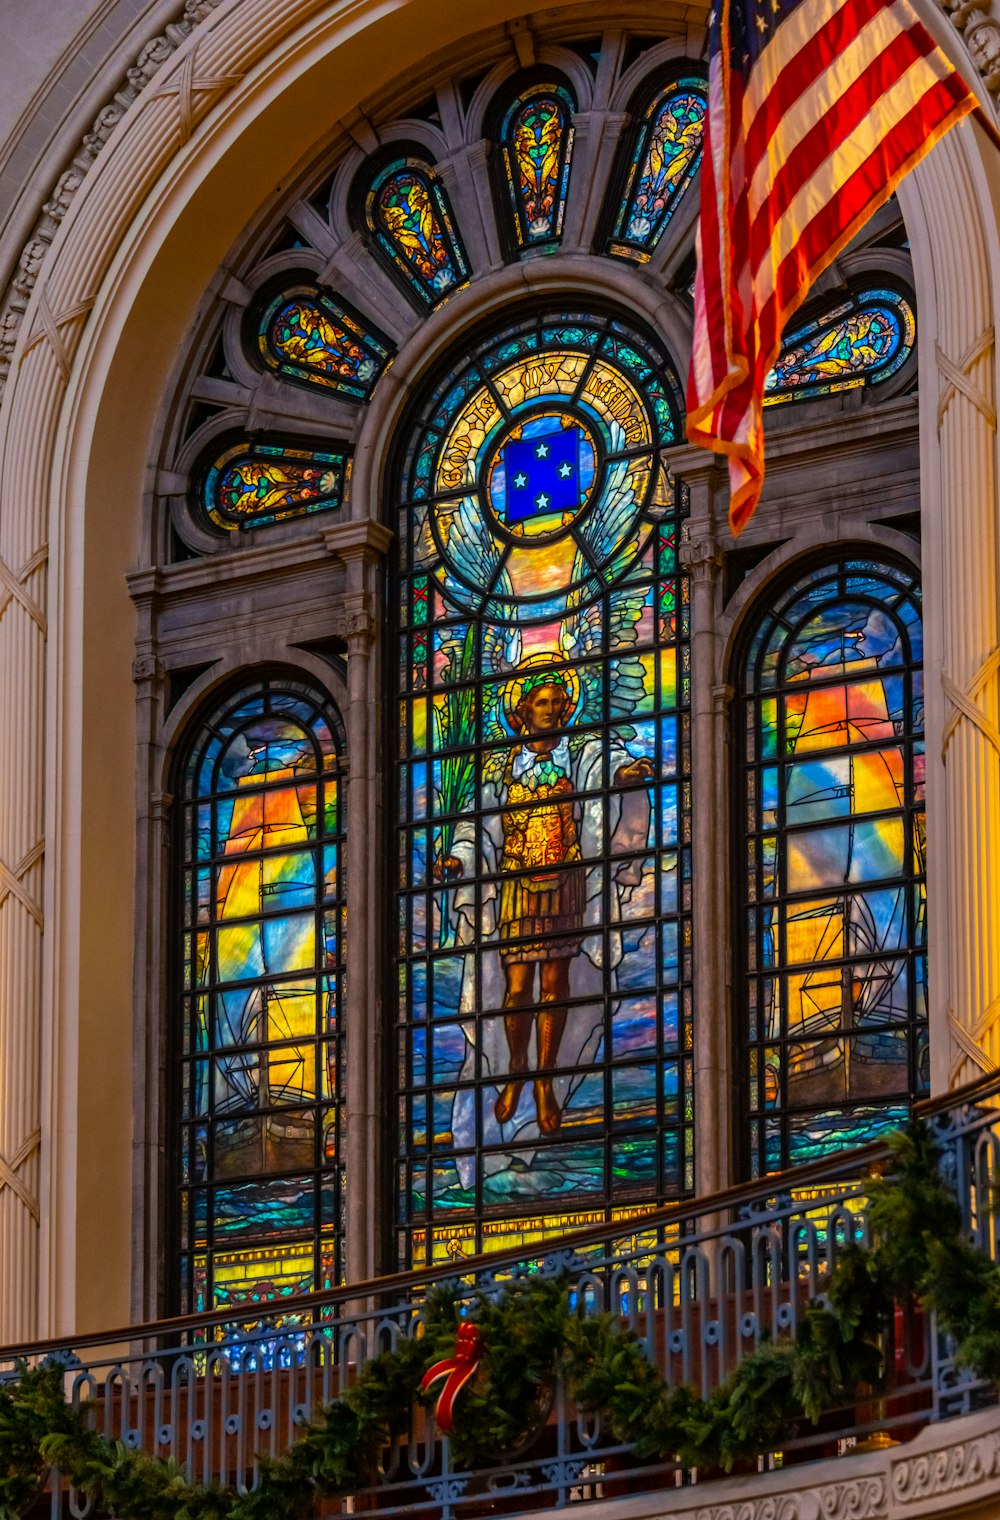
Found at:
[543, 474]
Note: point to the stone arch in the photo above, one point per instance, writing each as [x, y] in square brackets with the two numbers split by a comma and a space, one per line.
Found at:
[138, 245]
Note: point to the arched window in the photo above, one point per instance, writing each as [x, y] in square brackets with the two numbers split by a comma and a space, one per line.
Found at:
[312, 337]
[832, 987]
[544, 955]
[664, 153]
[411, 229]
[258, 481]
[257, 1049]
[857, 340]
[535, 149]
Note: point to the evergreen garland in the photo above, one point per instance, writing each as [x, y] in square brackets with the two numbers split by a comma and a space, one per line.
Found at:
[531, 1333]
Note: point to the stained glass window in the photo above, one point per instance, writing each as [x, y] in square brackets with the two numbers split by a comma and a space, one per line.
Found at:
[665, 155]
[834, 979]
[261, 910]
[314, 338]
[411, 226]
[252, 483]
[536, 146]
[860, 341]
[543, 796]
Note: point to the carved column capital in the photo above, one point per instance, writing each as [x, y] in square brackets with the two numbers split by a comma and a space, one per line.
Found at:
[355, 621]
[147, 667]
[701, 558]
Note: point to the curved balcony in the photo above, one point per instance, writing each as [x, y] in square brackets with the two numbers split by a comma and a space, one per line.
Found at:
[701, 1284]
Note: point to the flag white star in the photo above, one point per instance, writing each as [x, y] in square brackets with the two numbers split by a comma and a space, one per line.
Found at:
[541, 501]
[565, 470]
[520, 479]
[542, 451]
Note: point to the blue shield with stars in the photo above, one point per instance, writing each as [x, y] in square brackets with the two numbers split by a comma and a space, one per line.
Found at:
[543, 474]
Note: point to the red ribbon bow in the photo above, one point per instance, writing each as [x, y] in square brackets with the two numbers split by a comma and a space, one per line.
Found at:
[457, 1369]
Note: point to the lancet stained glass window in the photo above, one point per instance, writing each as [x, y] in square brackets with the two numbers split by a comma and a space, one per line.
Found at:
[666, 153]
[536, 146]
[411, 226]
[859, 341]
[255, 482]
[314, 338]
[543, 796]
[833, 995]
[261, 837]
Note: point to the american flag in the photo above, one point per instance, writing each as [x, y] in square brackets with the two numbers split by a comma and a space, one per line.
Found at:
[816, 110]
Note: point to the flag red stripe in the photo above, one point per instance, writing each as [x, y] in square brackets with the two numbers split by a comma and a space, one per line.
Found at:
[857, 199]
[835, 127]
[830, 40]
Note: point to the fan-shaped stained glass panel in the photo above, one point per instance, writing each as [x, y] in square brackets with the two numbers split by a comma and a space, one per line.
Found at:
[833, 1040]
[258, 1053]
[312, 338]
[861, 341]
[666, 153]
[411, 226]
[543, 824]
[537, 147]
[253, 483]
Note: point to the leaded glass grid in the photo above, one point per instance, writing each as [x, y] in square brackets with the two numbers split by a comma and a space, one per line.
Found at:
[258, 1049]
[855, 341]
[543, 970]
[411, 228]
[832, 989]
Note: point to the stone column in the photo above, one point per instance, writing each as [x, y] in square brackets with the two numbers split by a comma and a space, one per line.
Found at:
[959, 493]
[701, 557]
[23, 570]
[360, 547]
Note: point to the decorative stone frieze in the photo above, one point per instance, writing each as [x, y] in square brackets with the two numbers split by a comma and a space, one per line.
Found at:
[150, 58]
[980, 29]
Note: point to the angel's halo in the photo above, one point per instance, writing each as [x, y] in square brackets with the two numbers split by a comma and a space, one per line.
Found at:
[534, 665]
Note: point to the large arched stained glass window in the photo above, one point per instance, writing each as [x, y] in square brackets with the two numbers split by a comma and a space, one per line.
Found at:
[544, 1018]
[832, 992]
[258, 1055]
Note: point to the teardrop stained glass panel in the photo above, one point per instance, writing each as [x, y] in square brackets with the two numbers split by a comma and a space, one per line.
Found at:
[665, 158]
[537, 146]
[312, 338]
[256, 483]
[861, 341]
[411, 225]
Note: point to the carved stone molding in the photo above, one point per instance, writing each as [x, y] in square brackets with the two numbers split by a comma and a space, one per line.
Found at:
[958, 379]
[354, 619]
[862, 1499]
[10, 1173]
[150, 58]
[701, 558]
[939, 1474]
[981, 33]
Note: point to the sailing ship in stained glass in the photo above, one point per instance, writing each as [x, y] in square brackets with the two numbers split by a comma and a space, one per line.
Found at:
[262, 903]
[860, 341]
[834, 867]
[314, 338]
[536, 140]
[254, 483]
[410, 222]
[544, 951]
[666, 154]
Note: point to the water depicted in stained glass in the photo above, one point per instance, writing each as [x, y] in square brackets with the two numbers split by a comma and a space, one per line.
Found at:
[834, 869]
[544, 951]
[262, 836]
[410, 221]
[861, 341]
[313, 338]
[537, 146]
[255, 483]
[665, 158]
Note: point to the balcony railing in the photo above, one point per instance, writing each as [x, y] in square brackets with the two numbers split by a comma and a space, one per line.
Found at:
[701, 1283]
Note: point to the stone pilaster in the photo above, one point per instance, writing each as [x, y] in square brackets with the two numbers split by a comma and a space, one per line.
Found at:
[360, 548]
[701, 557]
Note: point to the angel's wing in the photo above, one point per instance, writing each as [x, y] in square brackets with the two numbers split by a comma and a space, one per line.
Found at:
[474, 553]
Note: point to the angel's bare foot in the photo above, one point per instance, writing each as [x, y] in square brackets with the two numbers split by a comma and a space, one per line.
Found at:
[548, 1110]
[506, 1105]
